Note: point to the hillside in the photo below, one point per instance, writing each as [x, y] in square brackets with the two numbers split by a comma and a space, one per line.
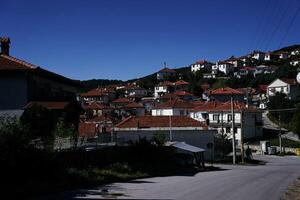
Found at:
[149, 81]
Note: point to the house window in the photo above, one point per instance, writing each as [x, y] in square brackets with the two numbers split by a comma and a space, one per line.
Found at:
[216, 117]
[229, 118]
[227, 129]
[235, 130]
[181, 112]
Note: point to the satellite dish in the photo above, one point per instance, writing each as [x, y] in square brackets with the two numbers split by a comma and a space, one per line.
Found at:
[298, 78]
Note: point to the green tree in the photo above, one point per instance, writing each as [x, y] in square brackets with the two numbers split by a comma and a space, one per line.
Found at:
[295, 121]
[40, 122]
[62, 131]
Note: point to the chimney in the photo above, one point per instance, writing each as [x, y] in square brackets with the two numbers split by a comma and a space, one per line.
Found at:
[5, 42]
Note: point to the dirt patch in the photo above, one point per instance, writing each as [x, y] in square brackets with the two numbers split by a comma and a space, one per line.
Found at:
[293, 192]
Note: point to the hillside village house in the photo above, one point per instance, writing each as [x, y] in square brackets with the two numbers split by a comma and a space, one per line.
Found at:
[286, 86]
[97, 94]
[224, 67]
[218, 115]
[258, 55]
[236, 62]
[202, 65]
[164, 73]
[295, 61]
[245, 60]
[270, 56]
[295, 52]
[22, 82]
[174, 107]
[224, 95]
[97, 108]
[163, 88]
[173, 128]
[181, 85]
[246, 71]
[263, 69]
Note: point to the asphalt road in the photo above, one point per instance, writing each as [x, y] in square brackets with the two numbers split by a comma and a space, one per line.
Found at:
[268, 181]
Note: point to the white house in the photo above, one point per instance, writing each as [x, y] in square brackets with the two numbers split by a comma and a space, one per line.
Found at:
[236, 62]
[270, 56]
[163, 88]
[286, 86]
[224, 67]
[247, 120]
[295, 52]
[258, 55]
[201, 65]
[263, 69]
[173, 107]
[295, 62]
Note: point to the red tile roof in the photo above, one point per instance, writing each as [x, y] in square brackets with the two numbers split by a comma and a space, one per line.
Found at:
[134, 105]
[167, 70]
[263, 88]
[96, 92]
[183, 93]
[169, 96]
[207, 106]
[101, 118]
[95, 106]
[9, 63]
[174, 103]
[201, 62]
[159, 121]
[290, 81]
[181, 82]
[217, 106]
[51, 105]
[122, 100]
[166, 83]
[87, 129]
[226, 91]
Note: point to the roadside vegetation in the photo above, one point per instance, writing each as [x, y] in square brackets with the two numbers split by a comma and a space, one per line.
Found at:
[28, 170]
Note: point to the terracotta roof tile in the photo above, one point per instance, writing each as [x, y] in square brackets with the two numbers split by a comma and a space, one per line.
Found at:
[51, 105]
[159, 121]
[167, 70]
[226, 91]
[174, 103]
[122, 100]
[181, 82]
[95, 106]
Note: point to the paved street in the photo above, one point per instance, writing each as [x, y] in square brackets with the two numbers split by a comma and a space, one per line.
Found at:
[233, 182]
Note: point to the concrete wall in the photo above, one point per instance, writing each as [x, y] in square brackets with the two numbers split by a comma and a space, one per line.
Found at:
[198, 138]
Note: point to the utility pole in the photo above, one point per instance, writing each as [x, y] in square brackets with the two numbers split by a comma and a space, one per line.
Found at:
[280, 141]
[170, 134]
[233, 134]
[242, 136]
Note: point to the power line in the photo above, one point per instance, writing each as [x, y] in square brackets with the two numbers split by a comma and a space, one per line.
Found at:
[265, 25]
[289, 27]
[259, 27]
[278, 26]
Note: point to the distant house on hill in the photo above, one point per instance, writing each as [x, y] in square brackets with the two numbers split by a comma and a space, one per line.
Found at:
[22, 82]
[258, 55]
[173, 107]
[164, 73]
[225, 94]
[201, 65]
[286, 86]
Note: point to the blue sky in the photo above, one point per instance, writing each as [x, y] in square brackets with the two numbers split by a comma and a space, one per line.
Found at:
[125, 39]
